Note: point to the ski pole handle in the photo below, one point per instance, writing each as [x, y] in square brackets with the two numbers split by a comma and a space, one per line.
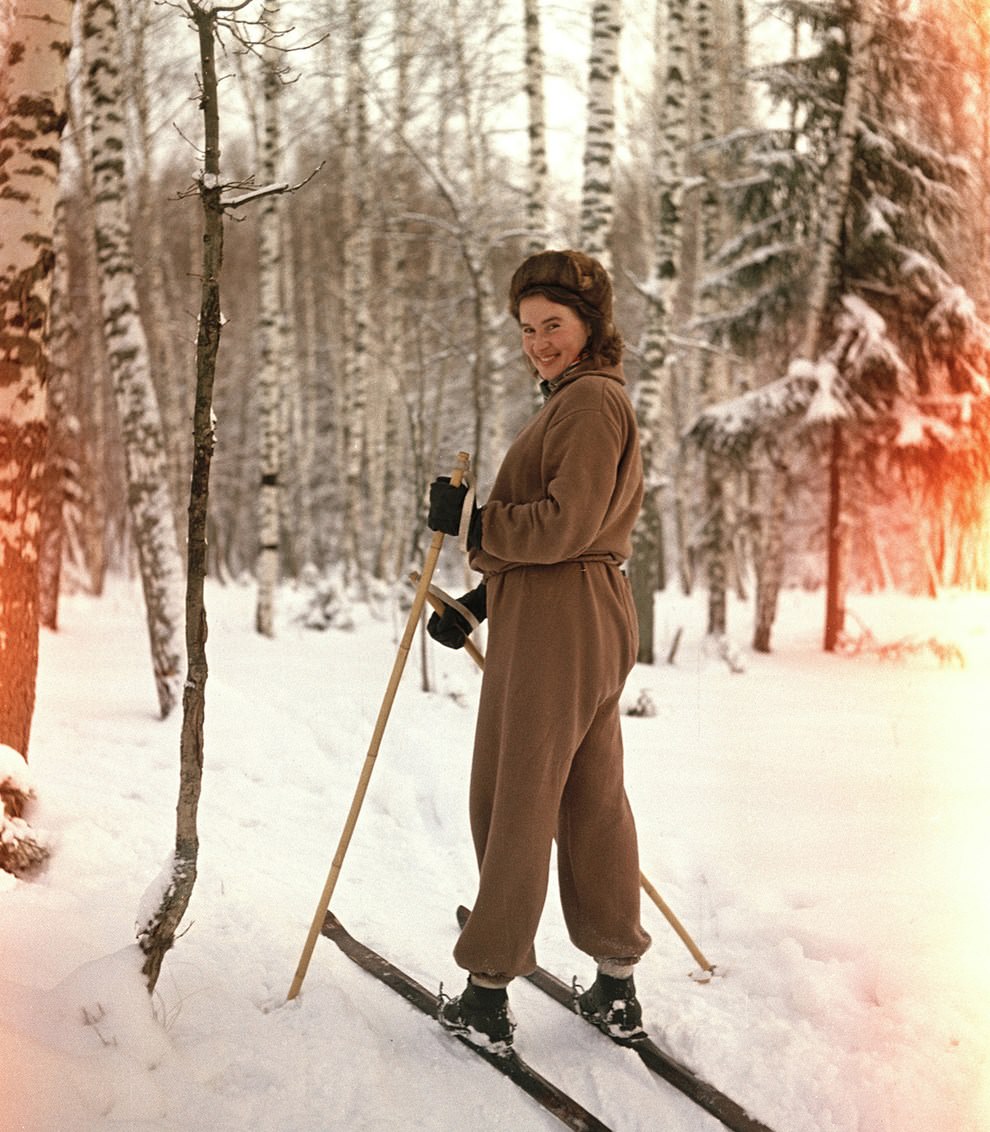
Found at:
[438, 606]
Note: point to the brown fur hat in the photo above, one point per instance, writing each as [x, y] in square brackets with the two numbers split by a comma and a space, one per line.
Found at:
[575, 280]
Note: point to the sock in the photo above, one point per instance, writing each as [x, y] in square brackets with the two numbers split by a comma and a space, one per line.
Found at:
[616, 968]
[488, 982]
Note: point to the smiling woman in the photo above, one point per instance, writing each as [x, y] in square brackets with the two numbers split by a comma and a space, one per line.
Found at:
[553, 335]
[550, 543]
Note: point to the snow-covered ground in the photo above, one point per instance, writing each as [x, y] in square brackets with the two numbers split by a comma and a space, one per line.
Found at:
[818, 823]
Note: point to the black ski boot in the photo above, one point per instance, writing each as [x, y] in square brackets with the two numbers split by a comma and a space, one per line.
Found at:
[611, 1005]
[481, 1015]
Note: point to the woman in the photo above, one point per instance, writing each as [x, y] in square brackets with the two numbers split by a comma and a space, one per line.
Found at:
[550, 543]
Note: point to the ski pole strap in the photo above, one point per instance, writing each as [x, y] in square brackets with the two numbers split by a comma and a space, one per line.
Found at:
[467, 511]
[463, 610]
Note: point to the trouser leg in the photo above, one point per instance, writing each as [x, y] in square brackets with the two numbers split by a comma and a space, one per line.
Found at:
[597, 851]
[547, 674]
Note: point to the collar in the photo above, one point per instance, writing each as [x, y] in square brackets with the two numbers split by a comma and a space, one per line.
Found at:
[581, 366]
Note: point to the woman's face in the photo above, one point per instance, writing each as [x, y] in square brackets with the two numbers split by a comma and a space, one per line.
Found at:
[553, 335]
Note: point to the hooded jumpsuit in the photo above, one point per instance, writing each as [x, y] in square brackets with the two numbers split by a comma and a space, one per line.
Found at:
[562, 639]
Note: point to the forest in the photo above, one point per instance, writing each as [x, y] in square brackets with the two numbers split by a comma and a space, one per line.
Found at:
[254, 273]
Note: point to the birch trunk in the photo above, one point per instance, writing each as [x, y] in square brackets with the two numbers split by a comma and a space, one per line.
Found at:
[357, 270]
[646, 565]
[99, 459]
[711, 369]
[836, 198]
[149, 504]
[35, 43]
[822, 284]
[538, 170]
[269, 338]
[597, 193]
[59, 470]
[396, 458]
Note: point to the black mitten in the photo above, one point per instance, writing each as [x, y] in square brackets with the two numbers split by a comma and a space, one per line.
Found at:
[450, 628]
[446, 506]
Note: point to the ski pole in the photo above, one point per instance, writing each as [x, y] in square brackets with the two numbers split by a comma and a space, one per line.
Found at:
[419, 601]
[648, 888]
[675, 923]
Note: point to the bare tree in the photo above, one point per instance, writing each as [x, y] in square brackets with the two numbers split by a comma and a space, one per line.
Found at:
[157, 935]
[149, 501]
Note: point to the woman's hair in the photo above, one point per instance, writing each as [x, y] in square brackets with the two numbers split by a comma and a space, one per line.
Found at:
[578, 281]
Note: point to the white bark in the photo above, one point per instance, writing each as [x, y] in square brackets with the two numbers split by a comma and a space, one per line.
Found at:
[597, 192]
[269, 339]
[671, 80]
[149, 504]
[35, 43]
[357, 271]
[539, 175]
[837, 188]
[669, 188]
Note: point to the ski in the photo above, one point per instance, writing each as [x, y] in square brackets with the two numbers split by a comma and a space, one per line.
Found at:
[706, 1096]
[544, 1092]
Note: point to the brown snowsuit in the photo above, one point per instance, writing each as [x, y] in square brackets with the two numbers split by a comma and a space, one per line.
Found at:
[562, 639]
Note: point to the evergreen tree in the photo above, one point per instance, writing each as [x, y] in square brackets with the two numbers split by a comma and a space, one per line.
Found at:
[879, 338]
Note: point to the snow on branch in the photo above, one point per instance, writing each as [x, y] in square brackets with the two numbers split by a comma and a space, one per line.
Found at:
[256, 194]
[732, 427]
[277, 187]
[861, 368]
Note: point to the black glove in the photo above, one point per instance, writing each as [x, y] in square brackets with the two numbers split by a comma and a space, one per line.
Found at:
[450, 628]
[446, 506]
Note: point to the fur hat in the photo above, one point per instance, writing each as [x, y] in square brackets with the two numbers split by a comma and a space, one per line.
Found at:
[575, 280]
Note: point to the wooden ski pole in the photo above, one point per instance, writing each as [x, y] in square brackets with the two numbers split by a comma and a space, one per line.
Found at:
[376, 740]
[678, 927]
[476, 654]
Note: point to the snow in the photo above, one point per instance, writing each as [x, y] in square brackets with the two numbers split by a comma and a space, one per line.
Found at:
[818, 824]
[15, 770]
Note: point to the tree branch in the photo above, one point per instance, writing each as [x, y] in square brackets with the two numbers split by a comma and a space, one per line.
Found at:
[269, 190]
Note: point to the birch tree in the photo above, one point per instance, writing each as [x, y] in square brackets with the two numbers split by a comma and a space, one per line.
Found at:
[356, 291]
[35, 42]
[141, 26]
[597, 191]
[270, 336]
[538, 173]
[149, 503]
[672, 75]
[709, 367]
[60, 466]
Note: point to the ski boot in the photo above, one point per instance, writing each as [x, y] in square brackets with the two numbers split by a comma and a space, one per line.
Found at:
[611, 1005]
[481, 1015]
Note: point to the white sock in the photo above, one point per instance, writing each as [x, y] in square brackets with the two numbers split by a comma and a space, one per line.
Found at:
[616, 968]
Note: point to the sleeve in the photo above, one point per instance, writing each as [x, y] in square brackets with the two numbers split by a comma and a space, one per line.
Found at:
[579, 467]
